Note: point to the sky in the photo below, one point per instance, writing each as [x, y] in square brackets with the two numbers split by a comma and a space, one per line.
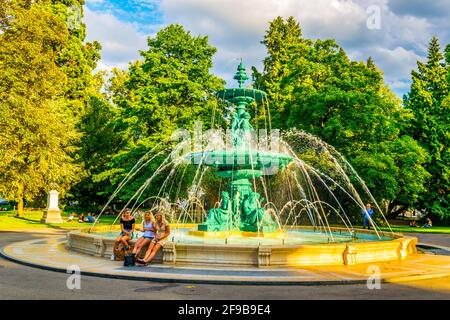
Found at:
[394, 32]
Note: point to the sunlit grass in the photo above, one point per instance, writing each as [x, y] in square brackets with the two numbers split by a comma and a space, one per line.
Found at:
[403, 229]
[32, 220]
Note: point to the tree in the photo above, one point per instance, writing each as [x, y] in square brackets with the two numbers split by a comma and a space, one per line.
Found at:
[347, 105]
[169, 89]
[79, 58]
[428, 100]
[282, 40]
[37, 133]
[99, 143]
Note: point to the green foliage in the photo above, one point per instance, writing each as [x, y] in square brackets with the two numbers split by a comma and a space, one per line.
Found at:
[428, 100]
[37, 133]
[283, 40]
[169, 89]
[345, 103]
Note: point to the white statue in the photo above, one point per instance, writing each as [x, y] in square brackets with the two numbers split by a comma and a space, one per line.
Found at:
[52, 214]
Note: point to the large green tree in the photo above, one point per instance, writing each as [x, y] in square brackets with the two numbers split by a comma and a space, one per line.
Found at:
[100, 141]
[428, 100]
[347, 105]
[283, 40]
[37, 131]
[168, 89]
[78, 58]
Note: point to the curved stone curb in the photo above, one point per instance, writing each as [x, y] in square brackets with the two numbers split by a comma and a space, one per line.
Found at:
[324, 276]
[433, 246]
[187, 281]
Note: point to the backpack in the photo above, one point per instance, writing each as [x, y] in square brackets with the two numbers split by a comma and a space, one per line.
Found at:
[129, 260]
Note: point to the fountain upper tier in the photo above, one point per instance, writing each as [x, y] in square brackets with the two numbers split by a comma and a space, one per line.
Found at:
[240, 164]
[241, 96]
[243, 160]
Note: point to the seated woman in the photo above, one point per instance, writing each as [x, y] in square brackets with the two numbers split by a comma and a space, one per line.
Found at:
[148, 228]
[428, 223]
[413, 223]
[81, 218]
[70, 217]
[127, 225]
[162, 233]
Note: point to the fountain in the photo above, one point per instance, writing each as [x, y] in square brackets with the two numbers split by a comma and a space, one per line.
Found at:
[241, 208]
[246, 228]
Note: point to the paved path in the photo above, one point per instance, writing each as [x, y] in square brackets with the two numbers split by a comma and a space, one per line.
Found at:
[22, 282]
[442, 240]
[51, 252]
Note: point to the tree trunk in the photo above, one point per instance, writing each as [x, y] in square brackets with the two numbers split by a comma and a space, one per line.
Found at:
[20, 209]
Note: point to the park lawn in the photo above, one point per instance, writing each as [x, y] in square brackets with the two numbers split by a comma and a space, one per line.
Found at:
[434, 229]
[9, 222]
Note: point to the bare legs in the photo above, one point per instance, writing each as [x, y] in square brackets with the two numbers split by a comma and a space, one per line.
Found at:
[151, 252]
[121, 239]
[142, 242]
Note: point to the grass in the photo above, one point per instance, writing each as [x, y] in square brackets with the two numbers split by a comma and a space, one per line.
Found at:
[10, 222]
[403, 229]
[31, 221]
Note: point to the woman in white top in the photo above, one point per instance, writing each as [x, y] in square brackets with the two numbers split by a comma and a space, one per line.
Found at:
[148, 228]
[161, 236]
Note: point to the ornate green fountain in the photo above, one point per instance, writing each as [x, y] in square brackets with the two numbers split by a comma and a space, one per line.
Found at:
[241, 207]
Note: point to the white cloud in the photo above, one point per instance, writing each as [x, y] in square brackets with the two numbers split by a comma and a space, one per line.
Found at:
[398, 62]
[236, 28]
[120, 40]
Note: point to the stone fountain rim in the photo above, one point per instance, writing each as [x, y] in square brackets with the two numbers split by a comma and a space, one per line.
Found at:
[394, 236]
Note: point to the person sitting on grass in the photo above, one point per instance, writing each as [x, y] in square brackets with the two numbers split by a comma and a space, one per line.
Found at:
[413, 223]
[428, 223]
[127, 225]
[70, 217]
[148, 228]
[90, 218]
[81, 218]
[162, 233]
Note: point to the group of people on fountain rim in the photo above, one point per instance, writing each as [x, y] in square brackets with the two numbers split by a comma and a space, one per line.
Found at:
[155, 232]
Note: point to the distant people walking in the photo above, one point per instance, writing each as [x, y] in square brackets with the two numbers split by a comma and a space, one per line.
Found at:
[367, 213]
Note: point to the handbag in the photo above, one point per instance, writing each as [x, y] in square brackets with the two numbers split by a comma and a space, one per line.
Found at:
[129, 260]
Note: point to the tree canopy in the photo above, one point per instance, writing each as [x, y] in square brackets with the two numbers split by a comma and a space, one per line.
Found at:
[170, 88]
[428, 100]
[345, 103]
[39, 78]
[64, 126]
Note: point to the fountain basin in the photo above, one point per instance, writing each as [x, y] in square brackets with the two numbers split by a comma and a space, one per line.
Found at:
[254, 253]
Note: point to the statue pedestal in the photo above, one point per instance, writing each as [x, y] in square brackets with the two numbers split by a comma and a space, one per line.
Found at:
[52, 214]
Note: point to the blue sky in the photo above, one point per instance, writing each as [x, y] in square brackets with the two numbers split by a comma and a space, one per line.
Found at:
[236, 27]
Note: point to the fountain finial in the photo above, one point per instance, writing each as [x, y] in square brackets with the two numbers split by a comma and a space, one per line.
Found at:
[240, 75]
